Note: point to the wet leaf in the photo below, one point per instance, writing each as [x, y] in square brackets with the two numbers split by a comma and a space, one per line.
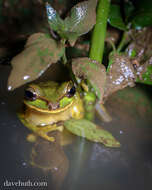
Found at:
[93, 71]
[81, 20]
[141, 45]
[115, 17]
[120, 74]
[90, 131]
[140, 51]
[55, 22]
[39, 53]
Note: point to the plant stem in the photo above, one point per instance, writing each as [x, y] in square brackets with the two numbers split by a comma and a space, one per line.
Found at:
[99, 32]
[123, 41]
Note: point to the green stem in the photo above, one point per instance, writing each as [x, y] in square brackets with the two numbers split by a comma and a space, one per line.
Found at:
[99, 32]
[112, 45]
[123, 41]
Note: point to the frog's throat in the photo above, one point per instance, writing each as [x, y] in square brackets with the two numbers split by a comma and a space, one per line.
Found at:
[58, 110]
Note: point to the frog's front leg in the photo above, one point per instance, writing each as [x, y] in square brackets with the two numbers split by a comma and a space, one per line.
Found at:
[43, 131]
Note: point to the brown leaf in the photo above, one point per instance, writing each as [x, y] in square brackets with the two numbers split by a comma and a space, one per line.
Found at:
[93, 71]
[140, 51]
[81, 20]
[141, 45]
[120, 75]
[39, 53]
[82, 17]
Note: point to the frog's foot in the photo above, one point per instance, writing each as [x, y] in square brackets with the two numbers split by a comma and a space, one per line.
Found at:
[45, 136]
[43, 132]
[31, 137]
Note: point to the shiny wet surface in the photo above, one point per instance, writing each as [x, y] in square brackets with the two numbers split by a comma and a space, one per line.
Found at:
[92, 166]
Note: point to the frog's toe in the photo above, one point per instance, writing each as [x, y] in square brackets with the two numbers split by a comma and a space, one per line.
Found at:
[60, 128]
[44, 135]
[51, 139]
[31, 138]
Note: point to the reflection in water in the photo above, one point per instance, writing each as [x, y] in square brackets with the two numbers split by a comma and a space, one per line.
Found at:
[51, 158]
[79, 161]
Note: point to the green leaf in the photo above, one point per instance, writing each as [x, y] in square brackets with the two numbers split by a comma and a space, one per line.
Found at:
[93, 71]
[145, 73]
[143, 14]
[142, 19]
[128, 10]
[147, 76]
[115, 18]
[90, 131]
[39, 53]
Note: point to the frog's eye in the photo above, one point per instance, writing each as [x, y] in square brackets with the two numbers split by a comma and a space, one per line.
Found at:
[71, 91]
[30, 94]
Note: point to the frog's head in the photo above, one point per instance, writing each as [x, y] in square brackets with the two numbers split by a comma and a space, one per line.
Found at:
[50, 97]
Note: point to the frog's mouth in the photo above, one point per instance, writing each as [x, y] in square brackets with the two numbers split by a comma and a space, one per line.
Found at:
[53, 106]
[50, 105]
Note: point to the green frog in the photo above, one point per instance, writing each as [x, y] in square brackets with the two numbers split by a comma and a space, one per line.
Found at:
[49, 103]
[51, 106]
